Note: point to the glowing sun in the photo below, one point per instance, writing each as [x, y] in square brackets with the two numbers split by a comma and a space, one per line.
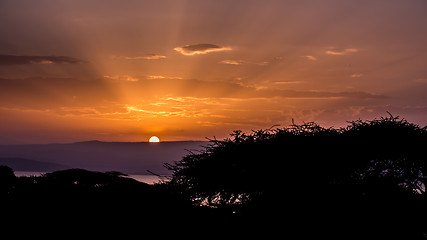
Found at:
[154, 139]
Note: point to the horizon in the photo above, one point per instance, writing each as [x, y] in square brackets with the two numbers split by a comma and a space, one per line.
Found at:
[98, 141]
[188, 70]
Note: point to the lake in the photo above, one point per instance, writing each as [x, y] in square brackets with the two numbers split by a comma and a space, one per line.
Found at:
[150, 179]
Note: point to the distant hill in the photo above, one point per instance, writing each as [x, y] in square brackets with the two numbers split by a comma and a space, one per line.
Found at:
[126, 157]
[22, 164]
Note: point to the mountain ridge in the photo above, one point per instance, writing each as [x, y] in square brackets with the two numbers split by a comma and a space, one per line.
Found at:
[24, 164]
[126, 157]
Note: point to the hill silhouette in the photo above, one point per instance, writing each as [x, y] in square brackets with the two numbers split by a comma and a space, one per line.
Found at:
[23, 164]
[366, 181]
[127, 157]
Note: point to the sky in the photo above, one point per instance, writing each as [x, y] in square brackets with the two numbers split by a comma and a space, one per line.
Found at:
[125, 70]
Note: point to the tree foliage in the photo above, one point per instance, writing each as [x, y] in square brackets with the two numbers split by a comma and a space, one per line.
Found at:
[308, 166]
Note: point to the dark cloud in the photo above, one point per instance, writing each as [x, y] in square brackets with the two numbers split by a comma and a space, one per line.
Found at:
[6, 60]
[200, 49]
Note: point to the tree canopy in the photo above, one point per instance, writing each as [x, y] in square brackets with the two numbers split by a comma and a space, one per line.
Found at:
[371, 166]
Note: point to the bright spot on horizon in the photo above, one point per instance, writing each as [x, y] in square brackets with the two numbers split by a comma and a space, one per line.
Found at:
[154, 139]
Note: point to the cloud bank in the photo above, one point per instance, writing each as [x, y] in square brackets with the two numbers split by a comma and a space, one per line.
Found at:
[203, 48]
[6, 60]
[51, 92]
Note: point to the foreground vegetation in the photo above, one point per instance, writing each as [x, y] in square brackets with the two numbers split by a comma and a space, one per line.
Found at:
[365, 180]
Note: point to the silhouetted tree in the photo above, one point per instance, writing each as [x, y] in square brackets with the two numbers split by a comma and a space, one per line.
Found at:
[7, 181]
[367, 170]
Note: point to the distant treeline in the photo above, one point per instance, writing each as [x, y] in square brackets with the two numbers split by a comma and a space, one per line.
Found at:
[367, 180]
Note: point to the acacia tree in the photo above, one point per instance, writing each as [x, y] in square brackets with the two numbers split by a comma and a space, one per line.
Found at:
[306, 161]
[392, 152]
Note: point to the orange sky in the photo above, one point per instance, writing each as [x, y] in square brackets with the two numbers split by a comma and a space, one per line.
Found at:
[185, 70]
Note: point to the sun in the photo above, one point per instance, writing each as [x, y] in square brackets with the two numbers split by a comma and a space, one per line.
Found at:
[154, 139]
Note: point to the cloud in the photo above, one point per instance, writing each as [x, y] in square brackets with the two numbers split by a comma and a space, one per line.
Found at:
[6, 60]
[136, 79]
[150, 56]
[293, 94]
[312, 58]
[51, 92]
[112, 93]
[340, 52]
[122, 78]
[203, 48]
[150, 77]
[221, 89]
[287, 82]
[232, 62]
[420, 80]
[241, 62]
[357, 75]
[155, 101]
